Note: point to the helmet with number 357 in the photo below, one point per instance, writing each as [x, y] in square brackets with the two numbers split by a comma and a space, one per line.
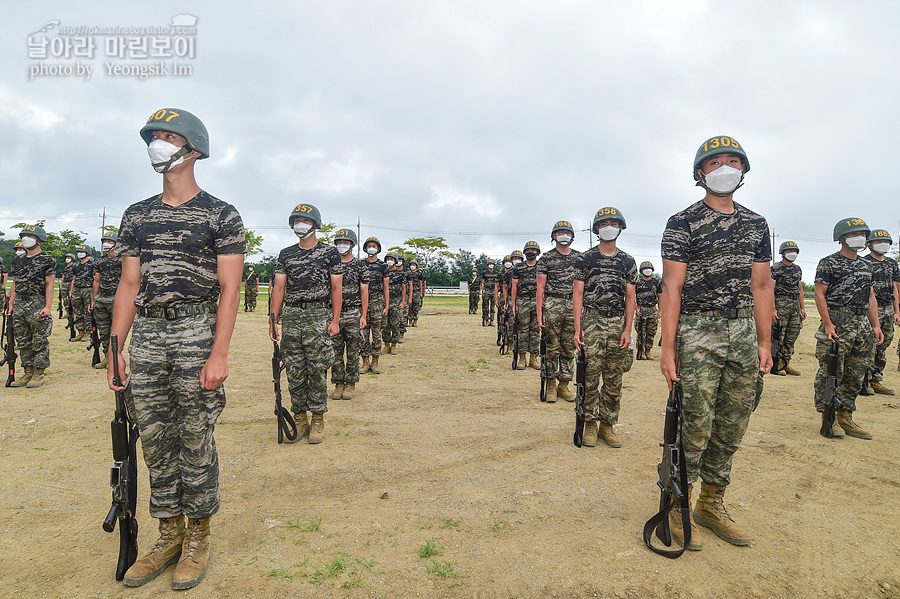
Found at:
[180, 122]
[306, 211]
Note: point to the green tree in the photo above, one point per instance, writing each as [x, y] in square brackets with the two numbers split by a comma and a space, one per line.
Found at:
[427, 249]
[254, 242]
[324, 234]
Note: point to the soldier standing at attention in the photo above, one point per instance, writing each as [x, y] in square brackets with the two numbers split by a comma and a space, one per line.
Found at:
[80, 292]
[378, 305]
[489, 287]
[524, 301]
[31, 304]
[474, 290]
[396, 302]
[887, 292]
[107, 273]
[603, 310]
[790, 309]
[845, 299]
[404, 311]
[555, 281]
[182, 256]
[308, 279]
[417, 291]
[647, 293]
[717, 310]
[66, 283]
[355, 293]
[251, 289]
[3, 276]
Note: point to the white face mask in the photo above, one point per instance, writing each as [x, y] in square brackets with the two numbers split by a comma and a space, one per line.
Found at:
[647, 272]
[517, 261]
[724, 180]
[108, 246]
[81, 255]
[413, 267]
[790, 256]
[882, 248]
[390, 263]
[490, 267]
[857, 242]
[507, 265]
[303, 230]
[608, 233]
[29, 242]
[164, 155]
[343, 248]
[20, 252]
[68, 261]
[400, 264]
[372, 250]
[564, 239]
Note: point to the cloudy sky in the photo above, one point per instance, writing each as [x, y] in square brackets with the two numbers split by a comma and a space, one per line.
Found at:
[483, 122]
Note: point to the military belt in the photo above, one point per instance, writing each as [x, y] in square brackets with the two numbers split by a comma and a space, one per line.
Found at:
[728, 313]
[174, 312]
[605, 313]
[526, 295]
[850, 309]
[559, 295]
[305, 305]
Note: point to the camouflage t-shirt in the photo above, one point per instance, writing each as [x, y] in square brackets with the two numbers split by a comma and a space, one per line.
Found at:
[885, 272]
[67, 275]
[178, 247]
[787, 280]
[505, 281]
[417, 279]
[605, 278]
[16, 264]
[396, 281]
[377, 274]
[560, 272]
[490, 279]
[252, 280]
[84, 274]
[308, 272]
[31, 273]
[355, 274]
[849, 281]
[647, 292]
[474, 284]
[110, 270]
[719, 250]
[527, 279]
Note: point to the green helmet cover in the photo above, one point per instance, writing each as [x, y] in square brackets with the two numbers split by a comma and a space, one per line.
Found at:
[714, 146]
[517, 254]
[879, 235]
[180, 122]
[850, 225]
[391, 255]
[562, 225]
[346, 235]
[531, 245]
[608, 213]
[788, 245]
[373, 240]
[646, 265]
[109, 236]
[306, 211]
[34, 230]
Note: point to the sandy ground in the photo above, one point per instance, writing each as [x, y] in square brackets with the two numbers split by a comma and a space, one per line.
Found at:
[450, 448]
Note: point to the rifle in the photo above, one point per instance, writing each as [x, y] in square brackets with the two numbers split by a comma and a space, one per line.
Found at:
[59, 304]
[832, 403]
[543, 350]
[776, 349]
[71, 324]
[865, 389]
[672, 489]
[515, 359]
[8, 336]
[95, 342]
[580, 373]
[286, 425]
[639, 344]
[499, 327]
[123, 474]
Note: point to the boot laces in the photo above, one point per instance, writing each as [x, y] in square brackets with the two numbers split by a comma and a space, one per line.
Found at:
[718, 504]
[193, 541]
[167, 532]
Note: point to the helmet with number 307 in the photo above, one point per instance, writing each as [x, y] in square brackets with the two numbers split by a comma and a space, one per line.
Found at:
[180, 122]
[306, 211]
[850, 225]
[715, 146]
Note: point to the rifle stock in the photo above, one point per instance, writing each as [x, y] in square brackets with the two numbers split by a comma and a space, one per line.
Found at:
[95, 341]
[776, 348]
[580, 374]
[639, 343]
[865, 390]
[9, 348]
[543, 349]
[71, 323]
[832, 403]
[287, 427]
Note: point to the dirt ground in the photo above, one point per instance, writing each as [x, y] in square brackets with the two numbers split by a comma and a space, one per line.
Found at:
[448, 450]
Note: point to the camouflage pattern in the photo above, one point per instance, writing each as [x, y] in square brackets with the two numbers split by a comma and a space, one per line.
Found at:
[178, 247]
[886, 319]
[856, 350]
[32, 332]
[559, 332]
[490, 280]
[348, 340]
[647, 291]
[849, 281]
[81, 301]
[3, 271]
[474, 284]
[308, 272]
[787, 280]
[110, 271]
[31, 274]
[66, 283]
[719, 250]
[251, 290]
[391, 330]
[526, 277]
[355, 276]
[560, 272]
[885, 273]
[791, 321]
[83, 273]
[377, 275]
[308, 354]
[719, 376]
[175, 416]
[605, 278]
[418, 283]
[372, 334]
[604, 359]
[529, 329]
[648, 322]
[103, 313]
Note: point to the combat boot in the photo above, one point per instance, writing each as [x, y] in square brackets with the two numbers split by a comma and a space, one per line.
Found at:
[551, 390]
[563, 391]
[710, 512]
[191, 567]
[677, 528]
[609, 434]
[366, 365]
[414, 323]
[338, 391]
[349, 391]
[317, 431]
[845, 421]
[590, 434]
[521, 362]
[37, 380]
[788, 369]
[374, 368]
[400, 340]
[102, 363]
[533, 362]
[302, 427]
[79, 336]
[877, 387]
[29, 372]
[164, 553]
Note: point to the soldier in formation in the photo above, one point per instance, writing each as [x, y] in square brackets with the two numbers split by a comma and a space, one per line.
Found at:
[489, 287]
[251, 289]
[474, 291]
[524, 302]
[417, 287]
[886, 284]
[80, 291]
[396, 302]
[790, 309]
[354, 305]
[647, 293]
[66, 283]
[377, 310]
[107, 273]
[4, 275]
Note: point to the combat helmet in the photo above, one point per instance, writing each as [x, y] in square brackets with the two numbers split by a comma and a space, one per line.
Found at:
[373, 240]
[608, 213]
[346, 235]
[180, 122]
[35, 230]
[562, 225]
[646, 265]
[531, 245]
[788, 246]
[391, 255]
[714, 146]
[517, 254]
[109, 236]
[879, 235]
[850, 225]
[82, 248]
[306, 211]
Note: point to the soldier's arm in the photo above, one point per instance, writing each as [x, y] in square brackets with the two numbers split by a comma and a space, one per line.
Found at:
[337, 284]
[49, 281]
[124, 311]
[802, 302]
[822, 307]
[515, 290]
[496, 291]
[364, 298]
[11, 298]
[229, 269]
[763, 311]
[578, 308]
[95, 288]
[630, 306]
[872, 313]
[674, 274]
[277, 292]
[541, 284]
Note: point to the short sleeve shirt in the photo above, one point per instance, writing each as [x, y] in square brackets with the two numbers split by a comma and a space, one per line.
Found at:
[67, 274]
[110, 271]
[32, 272]
[647, 291]
[84, 274]
[527, 279]
[474, 283]
[355, 275]
[490, 279]
[377, 273]
[417, 279]
[605, 278]
[787, 280]
[885, 272]
[396, 281]
[560, 272]
[252, 280]
[849, 281]
[308, 272]
[719, 251]
[179, 247]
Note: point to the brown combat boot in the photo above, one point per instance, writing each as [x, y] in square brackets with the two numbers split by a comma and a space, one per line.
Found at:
[366, 365]
[677, 527]
[302, 428]
[400, 340]
[845, 421]
[163, 554]
[79, 336]
[609, 434]
[102, 364]
[317, 431]
[374, 368]
[551, 390]
[191, 567]
[37, 380]
[521, 362]
[29, 372]
[877, 387]
[349, 391]
[788, 369]
[338, 391]
[563, 391]
[590, 434]
[710, 512]
[533, 362]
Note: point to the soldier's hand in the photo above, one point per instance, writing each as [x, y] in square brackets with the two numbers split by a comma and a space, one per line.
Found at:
[775, 315]
[879, 335]
[667, 366]
[831, 332]
[579, 339]
[109, 373]
[765, 359]
[802, 314]
[896, 318]
[214, 373]
[45, 312]
[334, 328]
[385, 311]
[362, 322]
[625, 339]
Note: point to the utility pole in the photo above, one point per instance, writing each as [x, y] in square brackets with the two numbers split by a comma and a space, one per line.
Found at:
[358, 238]
[103, 227]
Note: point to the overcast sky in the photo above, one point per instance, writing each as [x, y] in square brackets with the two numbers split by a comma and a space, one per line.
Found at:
[484, 122]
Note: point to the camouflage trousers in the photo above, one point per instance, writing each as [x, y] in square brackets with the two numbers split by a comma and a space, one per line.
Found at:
[81, 299]
[32, 332]
[103, 313]
[348, 340]
[719, 375]
[791, 323]
[886, 318]
[604, 359]
[856, 350]
[404, 316]
[529, 330]
[559, 331]
[415, 306]
[175, 416]
[647, 323]
[374, 326]
[487, 307]
[473, 301]
[308, 354]
[250, 298]
[391, 331]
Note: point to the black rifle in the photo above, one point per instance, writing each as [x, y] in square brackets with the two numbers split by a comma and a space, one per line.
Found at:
[543, 350]
[71, 324]
[776, 349]
[503, 332]
[639, 343]
[59, 305]
[123, 474]
[8, 337]
[286, 425]
[673, 490]
[865, 389]
[580, 373]
[499, 327]
[95, 342]
[832, 403]
[515, 358]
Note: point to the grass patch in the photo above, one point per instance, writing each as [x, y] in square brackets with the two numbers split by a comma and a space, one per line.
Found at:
[500, 525]
[428, 549]
[445, 569]
[450, 523]
[311, 526]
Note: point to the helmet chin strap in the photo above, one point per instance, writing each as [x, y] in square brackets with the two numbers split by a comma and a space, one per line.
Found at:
[719, 194]
[171, 161]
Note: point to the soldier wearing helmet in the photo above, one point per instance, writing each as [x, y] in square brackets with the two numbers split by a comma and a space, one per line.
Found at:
[107, 273]
[251, 289]
[489, 289]
[66, 284]
[887, 292]
[182, 256]
[845, 299]
[717, 303]
[80, 291]
[474, 291]
[790, 308]
[603, 309]
[379, 299]
[397, 288]
[354, 308]
[524, 304]
[555, 280]
[30, 305]
[505, 286]
[404, 311]
[647, 292]
[417, 286]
